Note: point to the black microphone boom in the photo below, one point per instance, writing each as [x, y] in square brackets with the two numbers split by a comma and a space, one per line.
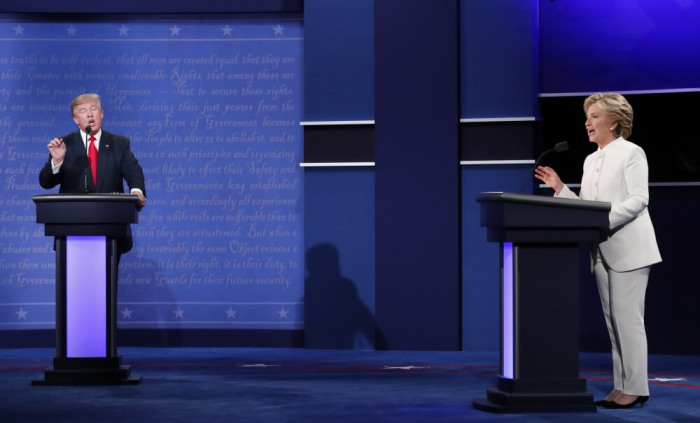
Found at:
[558, 148]
[88, 129]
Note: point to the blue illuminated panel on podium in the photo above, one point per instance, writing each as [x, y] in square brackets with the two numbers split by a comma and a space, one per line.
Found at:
[86, 296]
[507, 312]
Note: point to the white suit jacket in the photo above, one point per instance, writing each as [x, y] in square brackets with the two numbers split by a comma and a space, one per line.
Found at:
[619, 174]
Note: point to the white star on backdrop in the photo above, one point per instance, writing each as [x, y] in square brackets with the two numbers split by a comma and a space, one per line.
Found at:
[278, 29]
[226, 31]
[126, 313]
[179, 313]
[175, 31]
[230, 313]
[123, 30]
[21, 314]
[668, 379]
[19, 30]
[282, 313]
[71, 30]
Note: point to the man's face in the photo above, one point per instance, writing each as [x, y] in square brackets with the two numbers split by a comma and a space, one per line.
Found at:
[88, 114]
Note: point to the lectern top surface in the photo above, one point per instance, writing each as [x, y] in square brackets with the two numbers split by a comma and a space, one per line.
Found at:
[506, 197]
[93, 197]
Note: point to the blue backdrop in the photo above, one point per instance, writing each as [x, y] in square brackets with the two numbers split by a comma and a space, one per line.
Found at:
[212, 109]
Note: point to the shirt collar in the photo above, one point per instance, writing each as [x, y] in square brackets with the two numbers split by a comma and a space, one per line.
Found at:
[86, 138]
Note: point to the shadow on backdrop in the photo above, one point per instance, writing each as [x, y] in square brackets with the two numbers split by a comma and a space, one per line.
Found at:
[334, 315]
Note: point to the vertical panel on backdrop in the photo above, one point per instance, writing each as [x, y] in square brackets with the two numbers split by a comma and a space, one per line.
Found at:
[212, 108]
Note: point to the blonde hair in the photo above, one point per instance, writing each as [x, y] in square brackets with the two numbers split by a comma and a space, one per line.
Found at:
[84, 98]
[617, 108]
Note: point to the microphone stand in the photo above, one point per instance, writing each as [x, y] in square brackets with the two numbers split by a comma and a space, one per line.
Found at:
[88, 129]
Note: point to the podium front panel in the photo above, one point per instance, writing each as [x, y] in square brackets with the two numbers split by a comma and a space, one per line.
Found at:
[86, 296]
[507, 312]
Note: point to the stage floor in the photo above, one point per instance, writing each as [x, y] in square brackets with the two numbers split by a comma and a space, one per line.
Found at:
[298, 385]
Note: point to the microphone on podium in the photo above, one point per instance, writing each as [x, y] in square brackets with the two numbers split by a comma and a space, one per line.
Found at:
[558, 148]
[88, 129]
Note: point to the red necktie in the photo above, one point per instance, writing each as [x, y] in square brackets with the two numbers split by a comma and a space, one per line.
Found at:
[92, 156]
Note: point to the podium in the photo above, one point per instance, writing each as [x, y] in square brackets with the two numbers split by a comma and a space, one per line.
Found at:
[540, 241]
[86, 228]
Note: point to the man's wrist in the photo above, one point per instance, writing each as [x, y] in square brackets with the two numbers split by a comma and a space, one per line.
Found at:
[55, 167]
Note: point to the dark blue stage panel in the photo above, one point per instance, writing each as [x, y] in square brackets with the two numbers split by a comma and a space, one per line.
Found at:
[498, 58]
[212, 108]
[417, 174]
[339, 60]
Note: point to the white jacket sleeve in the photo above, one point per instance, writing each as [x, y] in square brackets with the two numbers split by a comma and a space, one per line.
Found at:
[636, 198]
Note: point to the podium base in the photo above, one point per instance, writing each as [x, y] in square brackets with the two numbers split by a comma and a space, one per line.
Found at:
[536, 395]
[540, 404]
[87, 371]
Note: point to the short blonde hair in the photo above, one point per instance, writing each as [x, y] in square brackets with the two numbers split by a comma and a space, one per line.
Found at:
[617, 108]
[84, 98]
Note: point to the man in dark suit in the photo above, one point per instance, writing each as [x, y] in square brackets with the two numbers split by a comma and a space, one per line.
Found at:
[92, 160]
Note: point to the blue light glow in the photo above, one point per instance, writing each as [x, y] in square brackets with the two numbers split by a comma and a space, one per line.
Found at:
[507, 317]
[86, 296]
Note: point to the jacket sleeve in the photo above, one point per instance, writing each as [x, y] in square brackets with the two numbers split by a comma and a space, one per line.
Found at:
[47, 179]
[566, 193]
[131, 169]
[636, 181]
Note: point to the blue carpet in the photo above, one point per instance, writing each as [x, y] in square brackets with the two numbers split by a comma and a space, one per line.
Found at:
[298, 385]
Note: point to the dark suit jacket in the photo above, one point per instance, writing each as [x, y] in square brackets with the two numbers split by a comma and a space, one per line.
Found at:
[116, 163]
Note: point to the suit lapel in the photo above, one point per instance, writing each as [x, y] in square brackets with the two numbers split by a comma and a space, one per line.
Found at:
[76, 143]
[79, 144]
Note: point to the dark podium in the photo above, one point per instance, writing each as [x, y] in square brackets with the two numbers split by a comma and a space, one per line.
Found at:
[540, 243]
[86, 228]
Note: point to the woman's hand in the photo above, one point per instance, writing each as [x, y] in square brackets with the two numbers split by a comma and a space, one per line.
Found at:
[547, 175]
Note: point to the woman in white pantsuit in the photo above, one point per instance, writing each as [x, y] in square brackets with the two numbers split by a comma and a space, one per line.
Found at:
[618, 173]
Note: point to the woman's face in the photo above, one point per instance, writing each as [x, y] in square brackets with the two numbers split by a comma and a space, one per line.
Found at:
[599, 125]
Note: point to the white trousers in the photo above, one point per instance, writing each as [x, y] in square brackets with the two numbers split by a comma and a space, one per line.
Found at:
[622, 296]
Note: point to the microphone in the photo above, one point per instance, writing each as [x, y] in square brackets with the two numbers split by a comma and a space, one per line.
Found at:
[88, 129]
[558, 148]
